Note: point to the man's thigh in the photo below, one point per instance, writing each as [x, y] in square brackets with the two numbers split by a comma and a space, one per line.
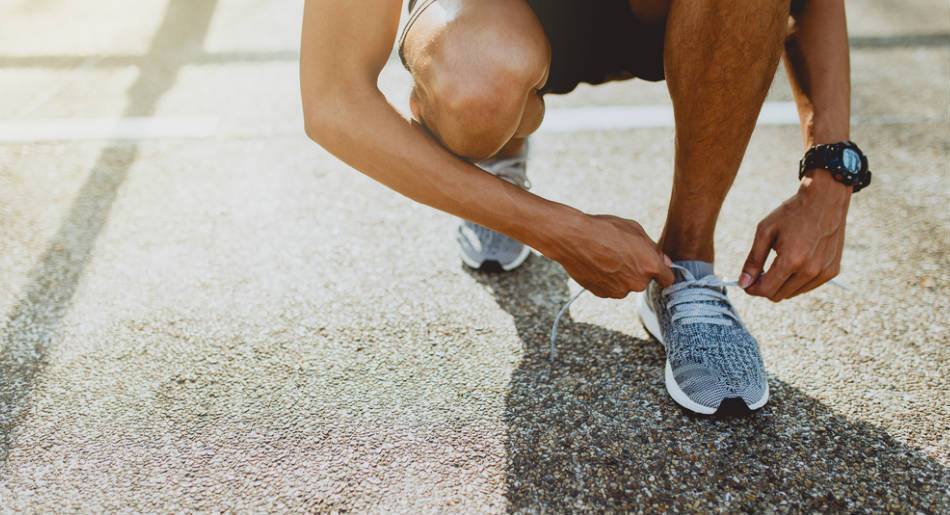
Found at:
[603, 40]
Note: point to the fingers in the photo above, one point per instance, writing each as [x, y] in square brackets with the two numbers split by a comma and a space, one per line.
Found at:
[795, 272]
[804, 282]
[752, 269]
[622, 259]
[657, 269]
[605, 290]
[771, 281]
[804, 266]
[638, 277]
[829, 272]
[665, 275]
[823, 278]
[794, 282]
[612, 293]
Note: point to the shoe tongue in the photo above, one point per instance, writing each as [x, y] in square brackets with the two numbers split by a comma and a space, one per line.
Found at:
[699, 269]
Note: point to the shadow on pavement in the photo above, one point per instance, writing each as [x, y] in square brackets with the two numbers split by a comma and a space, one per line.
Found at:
[33, 324]
[597, 432]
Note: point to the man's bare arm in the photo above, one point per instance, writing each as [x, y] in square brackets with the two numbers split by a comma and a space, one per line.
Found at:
[817, 61]
[344, 46]
[807, 231]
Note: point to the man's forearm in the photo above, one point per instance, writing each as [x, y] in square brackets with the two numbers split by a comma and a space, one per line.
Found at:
[363, 130]
[818, 65]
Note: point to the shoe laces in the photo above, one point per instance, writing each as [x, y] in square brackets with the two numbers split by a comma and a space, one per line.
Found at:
[702, 300]
[511, 169]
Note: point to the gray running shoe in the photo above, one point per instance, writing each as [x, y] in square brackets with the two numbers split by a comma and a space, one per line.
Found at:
[713, 364]
[483, 248]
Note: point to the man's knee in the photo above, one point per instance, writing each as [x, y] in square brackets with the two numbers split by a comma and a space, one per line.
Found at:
[474, 116]
[475, 84]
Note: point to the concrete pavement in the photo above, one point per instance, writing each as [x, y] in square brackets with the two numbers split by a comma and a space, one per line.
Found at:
[239, 322]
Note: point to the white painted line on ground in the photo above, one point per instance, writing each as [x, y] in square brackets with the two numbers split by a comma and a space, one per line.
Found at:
[574, 119]
[108, 128]
[644, 116]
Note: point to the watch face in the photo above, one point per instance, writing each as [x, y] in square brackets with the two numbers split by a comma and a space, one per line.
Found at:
[851, 160]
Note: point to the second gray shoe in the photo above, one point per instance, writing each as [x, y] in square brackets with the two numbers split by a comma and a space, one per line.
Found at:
[483, 248]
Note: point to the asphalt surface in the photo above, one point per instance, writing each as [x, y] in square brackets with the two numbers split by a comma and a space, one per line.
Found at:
[241, 323]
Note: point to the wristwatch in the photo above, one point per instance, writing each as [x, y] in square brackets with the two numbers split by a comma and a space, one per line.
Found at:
[845, 161]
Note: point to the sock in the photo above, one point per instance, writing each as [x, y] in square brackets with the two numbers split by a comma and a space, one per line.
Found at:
[699, 269]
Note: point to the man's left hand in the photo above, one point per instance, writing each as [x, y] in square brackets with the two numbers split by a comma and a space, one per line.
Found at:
[807, 234]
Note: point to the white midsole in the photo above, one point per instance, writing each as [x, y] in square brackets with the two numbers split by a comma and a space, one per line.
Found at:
[681, 398]
[650, 322]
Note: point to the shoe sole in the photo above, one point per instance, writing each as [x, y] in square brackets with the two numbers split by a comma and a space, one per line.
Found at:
[515, 263]
[652, 325]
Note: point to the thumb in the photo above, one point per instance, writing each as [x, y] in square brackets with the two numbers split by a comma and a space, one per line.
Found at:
[752, 269]
[665, 276]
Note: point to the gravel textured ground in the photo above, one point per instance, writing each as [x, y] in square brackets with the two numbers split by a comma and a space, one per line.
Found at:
[241, 323]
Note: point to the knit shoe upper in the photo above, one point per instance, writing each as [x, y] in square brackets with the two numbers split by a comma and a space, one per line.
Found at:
[711, 357]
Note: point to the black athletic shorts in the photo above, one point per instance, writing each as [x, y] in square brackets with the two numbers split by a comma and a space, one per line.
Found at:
[592, 41]
[595, 41]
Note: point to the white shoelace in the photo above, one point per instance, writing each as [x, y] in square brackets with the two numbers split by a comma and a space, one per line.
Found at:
[512, 169]
[693, 294]
[697, 299]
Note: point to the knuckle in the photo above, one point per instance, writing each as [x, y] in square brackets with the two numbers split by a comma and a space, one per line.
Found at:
[650, 268]
[826, 275]
[796, 260]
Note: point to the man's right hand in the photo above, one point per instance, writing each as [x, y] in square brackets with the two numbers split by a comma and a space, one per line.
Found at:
[613, 256]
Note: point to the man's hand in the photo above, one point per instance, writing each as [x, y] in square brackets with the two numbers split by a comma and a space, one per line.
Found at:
[807, 233]
[612, 256]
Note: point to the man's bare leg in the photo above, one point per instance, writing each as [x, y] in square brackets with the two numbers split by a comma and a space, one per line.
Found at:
[477, 66]
[720, 58]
